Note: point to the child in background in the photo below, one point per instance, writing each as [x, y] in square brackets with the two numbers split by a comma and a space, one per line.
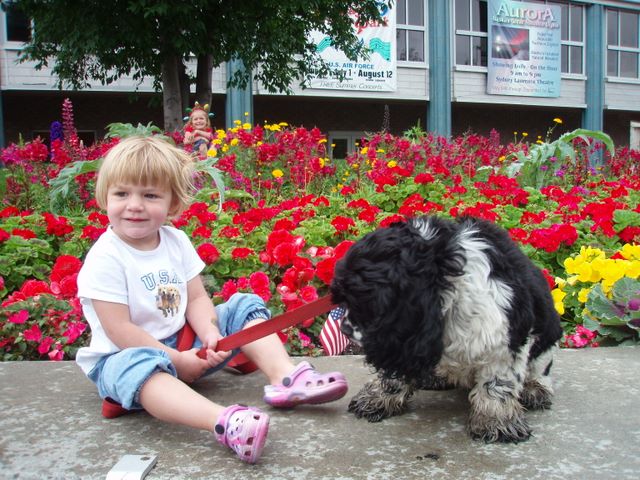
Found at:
[197, 131]
[138, 286]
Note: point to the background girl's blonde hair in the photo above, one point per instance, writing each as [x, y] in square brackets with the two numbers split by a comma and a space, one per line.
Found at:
[148, 161]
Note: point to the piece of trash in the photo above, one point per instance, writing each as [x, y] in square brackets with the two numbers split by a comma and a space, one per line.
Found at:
[132, 467]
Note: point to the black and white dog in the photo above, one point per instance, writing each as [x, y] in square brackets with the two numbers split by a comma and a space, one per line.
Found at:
[438, 303]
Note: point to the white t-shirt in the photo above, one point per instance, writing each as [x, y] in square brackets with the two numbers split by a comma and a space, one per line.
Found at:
[153, 284]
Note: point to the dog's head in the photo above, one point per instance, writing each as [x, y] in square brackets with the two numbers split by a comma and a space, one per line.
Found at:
[391, 282]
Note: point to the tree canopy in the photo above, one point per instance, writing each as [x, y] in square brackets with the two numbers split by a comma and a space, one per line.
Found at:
[104, 41]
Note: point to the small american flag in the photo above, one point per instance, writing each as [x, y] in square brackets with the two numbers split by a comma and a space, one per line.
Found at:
[332, 339]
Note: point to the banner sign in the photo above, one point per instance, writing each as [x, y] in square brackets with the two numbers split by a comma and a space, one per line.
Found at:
[376, 73]
[524, 49]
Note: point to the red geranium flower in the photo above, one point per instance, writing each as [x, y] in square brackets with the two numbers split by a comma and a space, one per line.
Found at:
[241, 252]
[23, 232]
[208, 253]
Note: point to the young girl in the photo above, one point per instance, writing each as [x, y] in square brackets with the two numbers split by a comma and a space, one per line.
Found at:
[197, 131]
[139, 284]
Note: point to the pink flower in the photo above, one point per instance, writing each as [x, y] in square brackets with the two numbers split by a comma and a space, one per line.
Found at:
[33, 334]
[45, 345]
[19, 317]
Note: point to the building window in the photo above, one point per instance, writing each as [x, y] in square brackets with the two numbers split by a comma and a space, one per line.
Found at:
[17, 24]
[410, 30]
[343, 144]
[471, 34]
[572, 38]
[622, 44]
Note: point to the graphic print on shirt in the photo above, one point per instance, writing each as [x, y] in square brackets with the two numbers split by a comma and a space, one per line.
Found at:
[168, 299]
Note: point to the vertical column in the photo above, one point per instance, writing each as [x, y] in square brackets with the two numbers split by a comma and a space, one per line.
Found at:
[239, 100]
[592, 118]
[439, 34]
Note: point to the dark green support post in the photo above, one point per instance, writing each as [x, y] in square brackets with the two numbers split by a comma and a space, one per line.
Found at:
[596, 51]
[239, 100]
[439, 108]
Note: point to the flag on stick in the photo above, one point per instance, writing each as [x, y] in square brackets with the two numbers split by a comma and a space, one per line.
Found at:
[331, 337]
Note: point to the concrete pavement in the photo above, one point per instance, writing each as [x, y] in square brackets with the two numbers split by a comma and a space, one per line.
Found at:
[51, 428]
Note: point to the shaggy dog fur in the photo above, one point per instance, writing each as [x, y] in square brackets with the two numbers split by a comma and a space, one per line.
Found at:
[437, 304]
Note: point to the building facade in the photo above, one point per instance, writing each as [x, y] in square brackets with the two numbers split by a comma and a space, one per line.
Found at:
[442, 55]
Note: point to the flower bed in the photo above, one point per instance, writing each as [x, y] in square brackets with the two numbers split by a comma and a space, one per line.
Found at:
[289, 213]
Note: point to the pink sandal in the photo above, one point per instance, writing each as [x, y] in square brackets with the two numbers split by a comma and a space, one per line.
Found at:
[306, 385]
[244, 430]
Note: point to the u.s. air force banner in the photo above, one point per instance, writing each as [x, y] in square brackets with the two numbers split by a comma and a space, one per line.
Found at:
[524, 49]
[376, 73]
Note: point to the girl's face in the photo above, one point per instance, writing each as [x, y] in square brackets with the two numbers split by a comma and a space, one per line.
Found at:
[199, 119]
[136, 213]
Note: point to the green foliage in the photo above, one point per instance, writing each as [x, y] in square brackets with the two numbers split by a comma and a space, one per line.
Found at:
[22, 259]
[63, 191]
[617, 316]
[540, 164]
[123, 130]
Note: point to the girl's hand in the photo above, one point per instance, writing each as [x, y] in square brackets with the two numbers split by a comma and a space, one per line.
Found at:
[211, 341]
[189, 366]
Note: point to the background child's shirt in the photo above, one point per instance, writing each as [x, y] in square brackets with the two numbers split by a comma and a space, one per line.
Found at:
[153, 284]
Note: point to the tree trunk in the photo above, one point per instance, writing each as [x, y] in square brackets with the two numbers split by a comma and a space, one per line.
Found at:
[204, 77]
[171, 95]
[185, 89]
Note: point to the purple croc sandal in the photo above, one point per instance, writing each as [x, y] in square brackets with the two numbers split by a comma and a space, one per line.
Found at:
[244, 430]
[306, 385]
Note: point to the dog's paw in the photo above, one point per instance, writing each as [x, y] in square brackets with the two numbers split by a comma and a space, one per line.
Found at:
[366, 410]
[433, 382]
[374, 409]
[535, 396]
[492, 430]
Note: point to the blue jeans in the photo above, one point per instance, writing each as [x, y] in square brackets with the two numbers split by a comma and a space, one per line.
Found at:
[120, 376]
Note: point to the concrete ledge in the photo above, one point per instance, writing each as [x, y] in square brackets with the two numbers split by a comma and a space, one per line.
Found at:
[51, 428]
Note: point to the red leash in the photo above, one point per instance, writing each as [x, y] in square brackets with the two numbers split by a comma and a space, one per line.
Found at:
[276, 324]
[186, 336]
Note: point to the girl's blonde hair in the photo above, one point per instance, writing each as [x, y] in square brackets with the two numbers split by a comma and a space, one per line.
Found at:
[148, 161]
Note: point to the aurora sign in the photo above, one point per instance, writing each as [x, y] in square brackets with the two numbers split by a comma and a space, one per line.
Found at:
[524, 49]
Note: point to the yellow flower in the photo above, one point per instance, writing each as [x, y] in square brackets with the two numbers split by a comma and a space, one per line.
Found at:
[283, 124]
[322, 140]
[630, 252]
[237, 122]
[234, 142]
[246, 126]
[380, 150]
[502, 158]
[539, 142]
[221, 134]
[558, 296]
[392, 164]
[277, 173]
[225, 148]
[364, 150]
[558, 121]
[583, 295]
[525, 134]
[246, 114]
[321, 162]
[212, 152]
